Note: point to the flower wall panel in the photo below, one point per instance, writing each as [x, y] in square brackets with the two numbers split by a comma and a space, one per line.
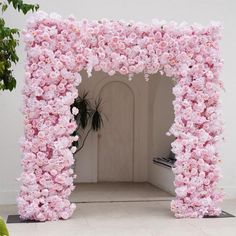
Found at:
[58, 49]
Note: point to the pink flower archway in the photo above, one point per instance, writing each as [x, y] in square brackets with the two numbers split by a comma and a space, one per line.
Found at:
[58, 49]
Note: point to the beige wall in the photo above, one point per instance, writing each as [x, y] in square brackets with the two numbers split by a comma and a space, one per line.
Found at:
[86, 167]
[161, 117]
[161, 114]
[201, 11]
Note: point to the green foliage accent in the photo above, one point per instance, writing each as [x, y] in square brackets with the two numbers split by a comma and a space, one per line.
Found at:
[23, 7]
[3, 228]
[89, 118]
[9, 40]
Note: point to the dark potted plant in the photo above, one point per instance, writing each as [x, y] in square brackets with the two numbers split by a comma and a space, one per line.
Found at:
[89, 118]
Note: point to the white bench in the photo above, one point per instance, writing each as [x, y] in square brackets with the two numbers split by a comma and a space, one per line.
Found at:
[162, 177]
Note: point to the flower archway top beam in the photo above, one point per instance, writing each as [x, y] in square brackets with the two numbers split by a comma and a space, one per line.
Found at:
[58, 49]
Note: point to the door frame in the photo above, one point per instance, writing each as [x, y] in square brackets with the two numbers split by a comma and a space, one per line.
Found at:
[138, 158]
[133, 124]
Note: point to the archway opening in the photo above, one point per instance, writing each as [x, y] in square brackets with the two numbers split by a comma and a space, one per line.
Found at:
[120, 157]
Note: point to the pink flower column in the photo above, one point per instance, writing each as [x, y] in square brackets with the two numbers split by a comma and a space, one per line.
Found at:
[198, 130]
[50, 89]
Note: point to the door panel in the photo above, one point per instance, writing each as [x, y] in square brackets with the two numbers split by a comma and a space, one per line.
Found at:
[115, 139]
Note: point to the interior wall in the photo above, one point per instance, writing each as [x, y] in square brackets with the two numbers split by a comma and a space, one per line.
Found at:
[161, 117]
[161, 114]
[201, 11]
[87, 158]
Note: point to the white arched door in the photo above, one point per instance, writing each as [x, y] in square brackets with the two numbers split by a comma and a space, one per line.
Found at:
[115, 139]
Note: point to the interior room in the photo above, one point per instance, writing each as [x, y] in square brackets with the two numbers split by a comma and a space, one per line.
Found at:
[136, 116]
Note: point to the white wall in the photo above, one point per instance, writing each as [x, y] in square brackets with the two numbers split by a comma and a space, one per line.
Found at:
[200, 11]
[161, 117]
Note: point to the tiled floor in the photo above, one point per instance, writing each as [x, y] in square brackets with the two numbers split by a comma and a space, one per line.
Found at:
[107, 192]
[126, 218]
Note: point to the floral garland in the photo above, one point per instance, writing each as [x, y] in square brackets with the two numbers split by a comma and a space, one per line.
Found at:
[57, 49]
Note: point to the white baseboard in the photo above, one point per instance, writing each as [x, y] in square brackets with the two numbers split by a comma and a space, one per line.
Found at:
[8, 197]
